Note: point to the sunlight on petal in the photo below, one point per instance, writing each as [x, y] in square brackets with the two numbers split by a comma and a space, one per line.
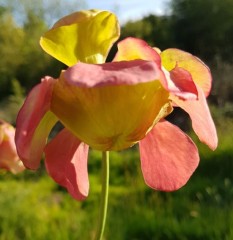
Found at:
[176, 82]
[85, 36]
[199, 71]
[134, 48]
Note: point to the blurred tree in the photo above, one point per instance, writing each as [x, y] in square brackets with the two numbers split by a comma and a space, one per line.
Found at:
[153, 29]
[36, 63]
[22, 22]
[10, 106]
[11, 42]
[204, 28]
[49, 11]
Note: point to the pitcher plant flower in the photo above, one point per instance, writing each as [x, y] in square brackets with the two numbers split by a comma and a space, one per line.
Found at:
[111, 106]
[9, 159]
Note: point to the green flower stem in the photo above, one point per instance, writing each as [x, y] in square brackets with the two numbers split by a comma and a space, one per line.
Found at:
[104, 196]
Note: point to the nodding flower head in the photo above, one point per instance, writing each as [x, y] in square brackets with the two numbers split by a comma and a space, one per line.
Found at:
[113, 106]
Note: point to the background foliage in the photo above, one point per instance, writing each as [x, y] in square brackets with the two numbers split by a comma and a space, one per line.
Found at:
[33, 207]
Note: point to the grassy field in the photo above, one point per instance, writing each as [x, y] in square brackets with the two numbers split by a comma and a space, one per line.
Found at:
[33, 207]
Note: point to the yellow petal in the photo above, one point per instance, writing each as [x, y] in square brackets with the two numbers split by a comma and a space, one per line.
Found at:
[110, 117]
[85, 36]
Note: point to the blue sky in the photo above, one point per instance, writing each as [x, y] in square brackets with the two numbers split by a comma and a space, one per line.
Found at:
[130, 9]
[124, 9]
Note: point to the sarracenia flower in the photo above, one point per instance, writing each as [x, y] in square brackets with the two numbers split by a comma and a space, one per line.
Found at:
[9, 159]
[112, 106]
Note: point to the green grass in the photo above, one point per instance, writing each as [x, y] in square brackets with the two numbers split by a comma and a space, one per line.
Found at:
[33, 207]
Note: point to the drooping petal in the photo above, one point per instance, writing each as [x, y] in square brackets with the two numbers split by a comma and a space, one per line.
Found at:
[202, 121]
[199, 71]
[34, 122]
[85, 36]
[9, 159]
[168, 157]
[113, 116]
[133, 48]
[66, 162]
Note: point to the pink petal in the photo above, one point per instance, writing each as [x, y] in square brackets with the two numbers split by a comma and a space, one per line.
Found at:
[180, 83]
[9, 159]
[66, 163]
[114, 73]
[183, 85]
[168, 157]
[202, 121]
[133, 48]
[34, 123]
[200, 72]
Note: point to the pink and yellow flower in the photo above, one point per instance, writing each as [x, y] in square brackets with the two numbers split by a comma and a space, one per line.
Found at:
[9, 159]
[113, 106]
